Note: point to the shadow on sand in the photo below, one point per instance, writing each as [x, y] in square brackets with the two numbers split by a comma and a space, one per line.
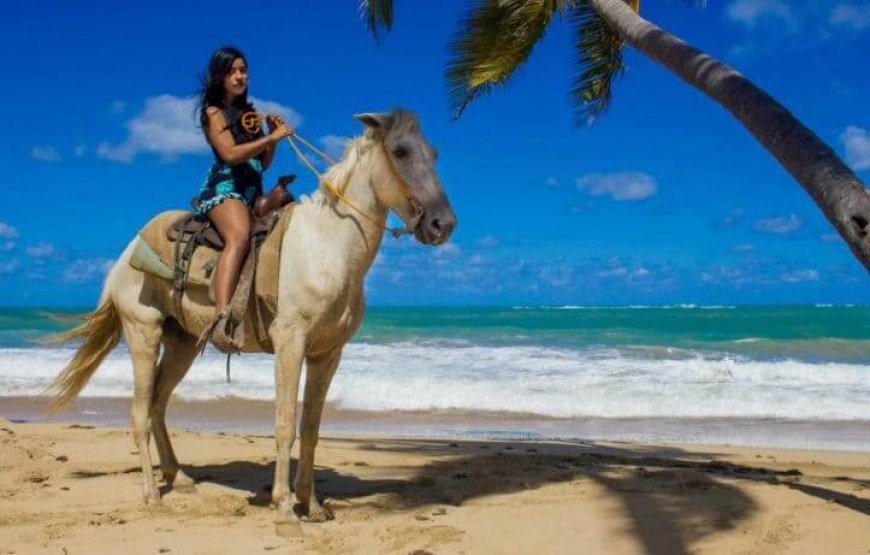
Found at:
[673, 497]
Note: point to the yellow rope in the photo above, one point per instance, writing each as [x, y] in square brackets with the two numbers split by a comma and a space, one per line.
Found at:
[314, 149]
[336, 192]
[252, 121]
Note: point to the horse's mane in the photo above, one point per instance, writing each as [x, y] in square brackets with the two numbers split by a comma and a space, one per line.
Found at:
[339, 174]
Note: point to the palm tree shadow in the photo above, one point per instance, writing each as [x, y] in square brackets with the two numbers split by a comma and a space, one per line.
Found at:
[670, 502]
[846, 500]
[673, 498]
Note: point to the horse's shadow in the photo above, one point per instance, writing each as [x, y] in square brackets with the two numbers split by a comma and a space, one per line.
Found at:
[256, 479]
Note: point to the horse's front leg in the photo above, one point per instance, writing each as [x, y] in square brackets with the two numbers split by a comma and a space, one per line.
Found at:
[290, 349]
[317, 379]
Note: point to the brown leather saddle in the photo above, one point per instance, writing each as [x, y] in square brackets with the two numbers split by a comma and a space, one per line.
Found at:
[188, 233]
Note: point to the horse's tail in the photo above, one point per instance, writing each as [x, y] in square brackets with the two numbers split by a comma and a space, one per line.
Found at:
[101, 331]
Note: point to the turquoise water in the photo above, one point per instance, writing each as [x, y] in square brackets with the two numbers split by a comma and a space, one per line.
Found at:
[808, 332]
[570, 325]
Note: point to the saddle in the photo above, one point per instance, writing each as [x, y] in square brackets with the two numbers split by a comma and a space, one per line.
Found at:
[185, 249]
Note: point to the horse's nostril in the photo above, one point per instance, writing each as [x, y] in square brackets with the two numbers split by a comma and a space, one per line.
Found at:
[441, 227]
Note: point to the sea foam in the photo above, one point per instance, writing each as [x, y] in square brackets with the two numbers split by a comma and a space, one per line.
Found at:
[604, 382]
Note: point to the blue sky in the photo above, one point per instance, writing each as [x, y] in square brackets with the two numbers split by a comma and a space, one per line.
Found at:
[666, 199]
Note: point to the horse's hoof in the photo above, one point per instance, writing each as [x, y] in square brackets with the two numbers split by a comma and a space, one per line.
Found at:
[284, 512]
[182, 483]
[151, 498]
[318, 513]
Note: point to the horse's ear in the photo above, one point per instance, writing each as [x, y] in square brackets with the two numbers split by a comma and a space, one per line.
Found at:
[375, 120]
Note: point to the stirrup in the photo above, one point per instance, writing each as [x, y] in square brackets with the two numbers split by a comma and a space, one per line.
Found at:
[220, 333]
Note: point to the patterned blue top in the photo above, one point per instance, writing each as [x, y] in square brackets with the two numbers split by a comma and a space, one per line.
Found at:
[242, 181]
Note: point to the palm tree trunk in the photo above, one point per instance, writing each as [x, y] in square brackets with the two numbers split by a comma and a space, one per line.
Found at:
[839, 193]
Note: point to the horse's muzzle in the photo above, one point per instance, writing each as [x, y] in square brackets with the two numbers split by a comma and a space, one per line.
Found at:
[436, 227]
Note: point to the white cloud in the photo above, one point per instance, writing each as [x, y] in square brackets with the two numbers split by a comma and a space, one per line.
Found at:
[581, 208]
[557, 275]
[744, 247]
[87, 270]
[799, 276]
[8, 266]
[736, 276]
[45, 153]
[615, 268]
[620, 186]
[167, 126]
[640, 273]
[551, 182]
[334, 145]
[7, 231]
[8, 235]
[291, 116]
[488, 242]
[779, 225]
[743, 49]
[850, 16]
[735, 216]
[447, 250]
[857, 144]
[41, 251]
[751, 12]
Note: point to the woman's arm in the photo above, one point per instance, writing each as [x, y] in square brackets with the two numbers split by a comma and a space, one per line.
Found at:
[231, 153]
[273, 122]
[267, 156]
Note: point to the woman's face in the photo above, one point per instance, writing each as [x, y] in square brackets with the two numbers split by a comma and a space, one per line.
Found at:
[236, 81]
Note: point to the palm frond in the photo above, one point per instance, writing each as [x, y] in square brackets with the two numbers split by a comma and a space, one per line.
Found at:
[598, 59]
[377, 14]
[492, 41]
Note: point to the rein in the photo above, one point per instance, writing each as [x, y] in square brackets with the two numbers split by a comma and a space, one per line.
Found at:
[253, 121]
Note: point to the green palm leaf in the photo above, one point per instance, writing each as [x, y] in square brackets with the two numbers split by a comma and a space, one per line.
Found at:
[378, 14]
[598, 59]
[494, 40]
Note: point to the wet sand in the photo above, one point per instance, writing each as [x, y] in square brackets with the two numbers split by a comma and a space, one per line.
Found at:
[73, 488]
[249, 416]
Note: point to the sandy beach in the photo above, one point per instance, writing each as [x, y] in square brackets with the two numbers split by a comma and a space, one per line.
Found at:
[75, 488]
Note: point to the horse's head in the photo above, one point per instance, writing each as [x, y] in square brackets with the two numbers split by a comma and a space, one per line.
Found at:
[404, 175]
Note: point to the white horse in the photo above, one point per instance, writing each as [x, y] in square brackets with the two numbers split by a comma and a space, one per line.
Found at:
[327, 249]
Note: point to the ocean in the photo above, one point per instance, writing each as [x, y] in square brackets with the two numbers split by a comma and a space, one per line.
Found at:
[788, 376]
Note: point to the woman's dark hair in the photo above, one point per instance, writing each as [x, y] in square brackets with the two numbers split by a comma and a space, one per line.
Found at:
[212, 91]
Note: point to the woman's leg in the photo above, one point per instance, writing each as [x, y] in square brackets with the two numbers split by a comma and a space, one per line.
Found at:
[233, 222]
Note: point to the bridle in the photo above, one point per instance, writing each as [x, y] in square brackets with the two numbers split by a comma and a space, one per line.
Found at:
[252, 122]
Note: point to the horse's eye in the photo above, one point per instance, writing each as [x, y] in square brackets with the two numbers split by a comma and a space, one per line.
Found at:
[400, 152]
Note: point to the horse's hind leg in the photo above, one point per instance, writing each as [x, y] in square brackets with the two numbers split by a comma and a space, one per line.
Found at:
[142, 331]
[179, 350]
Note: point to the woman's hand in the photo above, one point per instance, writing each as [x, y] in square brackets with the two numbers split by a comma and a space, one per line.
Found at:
[273, 121]
[277, 128]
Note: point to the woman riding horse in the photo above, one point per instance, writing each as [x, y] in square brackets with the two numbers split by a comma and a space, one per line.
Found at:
[235, 180]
